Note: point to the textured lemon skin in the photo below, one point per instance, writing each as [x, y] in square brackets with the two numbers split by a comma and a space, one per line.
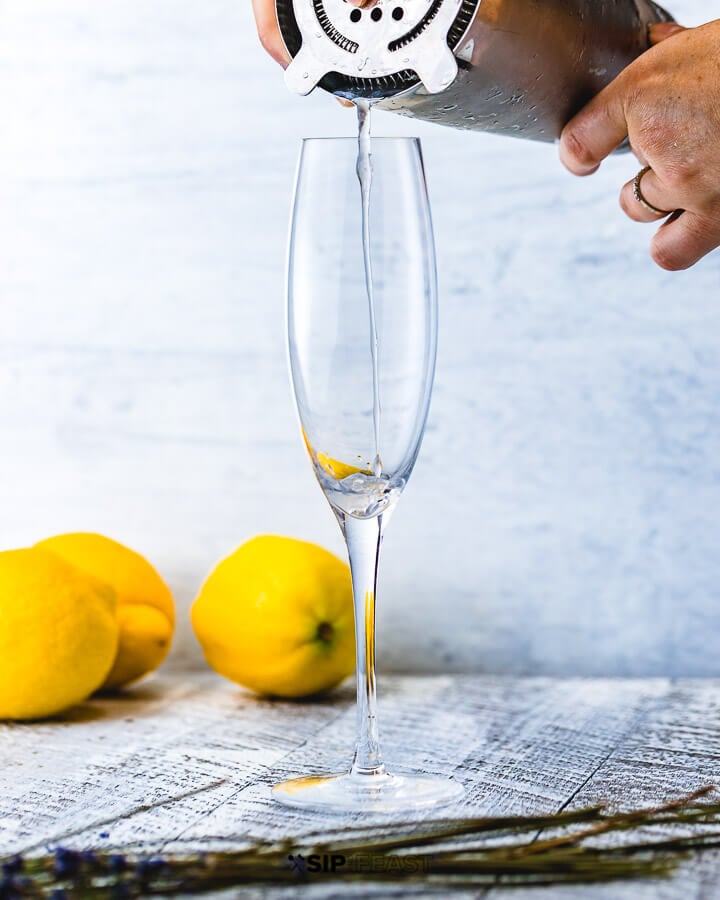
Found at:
[58, 634]
[145, 607]
[258, 614]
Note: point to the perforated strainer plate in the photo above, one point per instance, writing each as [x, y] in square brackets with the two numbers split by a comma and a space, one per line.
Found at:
[376, 51]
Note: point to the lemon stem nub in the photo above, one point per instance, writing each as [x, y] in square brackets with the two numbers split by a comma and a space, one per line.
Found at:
[325, 632]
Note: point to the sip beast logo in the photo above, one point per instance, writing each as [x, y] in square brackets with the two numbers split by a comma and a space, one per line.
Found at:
[316, 862]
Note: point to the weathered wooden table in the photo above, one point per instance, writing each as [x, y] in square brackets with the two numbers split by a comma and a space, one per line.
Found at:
[187, 760]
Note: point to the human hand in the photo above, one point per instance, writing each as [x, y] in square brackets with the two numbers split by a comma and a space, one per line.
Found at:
[668, 103]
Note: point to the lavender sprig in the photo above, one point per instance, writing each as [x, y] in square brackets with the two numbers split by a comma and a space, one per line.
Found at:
[473, 852]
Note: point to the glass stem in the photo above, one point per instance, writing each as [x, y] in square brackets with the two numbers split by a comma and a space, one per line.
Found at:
[363, 537]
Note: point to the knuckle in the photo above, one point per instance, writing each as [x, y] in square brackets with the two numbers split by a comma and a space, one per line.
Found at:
[654, 117]
[650, 138]
[578, 150]
[667, 258]
[678, 175]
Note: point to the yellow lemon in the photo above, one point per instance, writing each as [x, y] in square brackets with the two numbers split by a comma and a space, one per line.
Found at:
[337, 469]
[276, 616]
[145, 608]
[58, 634]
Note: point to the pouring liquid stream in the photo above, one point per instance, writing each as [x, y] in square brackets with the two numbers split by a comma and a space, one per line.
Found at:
[364, 493]
[364, 174]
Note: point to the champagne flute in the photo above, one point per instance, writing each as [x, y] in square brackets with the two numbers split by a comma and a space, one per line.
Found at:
[362, 359]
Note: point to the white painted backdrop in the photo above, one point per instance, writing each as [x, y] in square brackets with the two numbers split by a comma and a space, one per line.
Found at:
[564, 515]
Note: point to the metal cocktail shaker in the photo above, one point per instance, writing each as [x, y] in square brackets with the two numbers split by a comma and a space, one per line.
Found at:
[515, 67]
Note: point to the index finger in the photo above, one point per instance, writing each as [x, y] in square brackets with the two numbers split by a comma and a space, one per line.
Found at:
[597, 130]
[269, 31]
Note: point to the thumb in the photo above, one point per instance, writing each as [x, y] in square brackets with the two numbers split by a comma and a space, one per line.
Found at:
[661, 31]
[597, 130]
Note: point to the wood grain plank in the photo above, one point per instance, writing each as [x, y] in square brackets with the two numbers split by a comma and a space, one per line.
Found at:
[675, 750]
[115, 757]
[187, 761]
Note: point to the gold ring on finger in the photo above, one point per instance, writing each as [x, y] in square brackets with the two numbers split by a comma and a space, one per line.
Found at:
[639, 196]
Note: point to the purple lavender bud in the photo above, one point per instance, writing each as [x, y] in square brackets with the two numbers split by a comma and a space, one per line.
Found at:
[146, 867]
[13, 865]
[67, 862]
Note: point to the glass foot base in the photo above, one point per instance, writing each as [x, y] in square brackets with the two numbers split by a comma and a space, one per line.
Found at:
[368, 793]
